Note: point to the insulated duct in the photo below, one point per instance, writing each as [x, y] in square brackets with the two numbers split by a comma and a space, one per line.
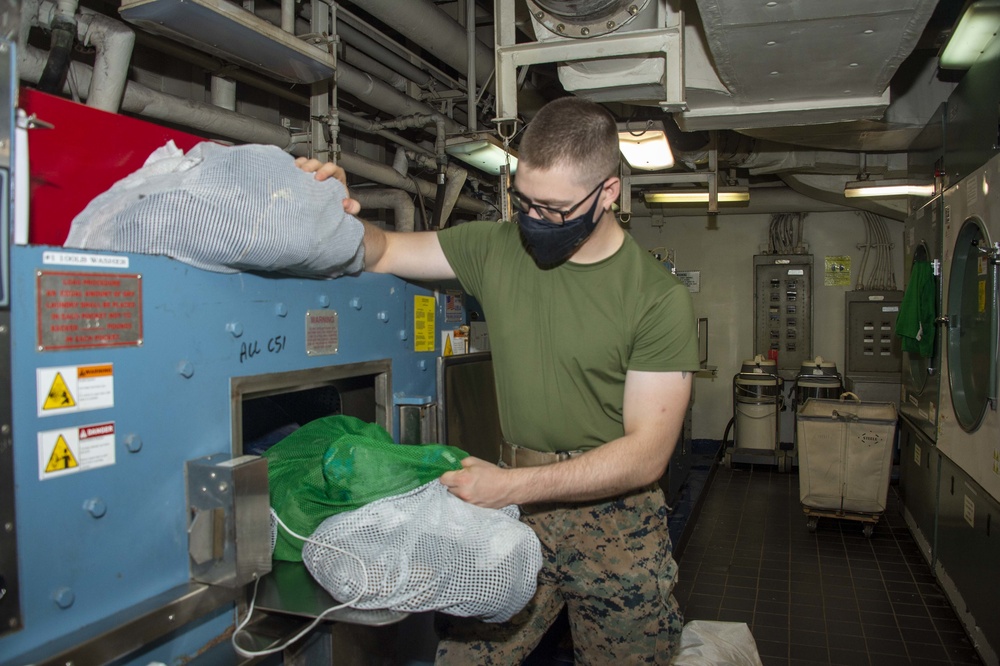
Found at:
[396, 200]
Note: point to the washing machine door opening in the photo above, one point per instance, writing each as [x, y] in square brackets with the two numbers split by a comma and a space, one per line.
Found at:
[972, 325]
[917, 369]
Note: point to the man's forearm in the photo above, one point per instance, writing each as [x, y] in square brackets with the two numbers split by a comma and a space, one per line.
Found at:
[375, 242]
[607, 471]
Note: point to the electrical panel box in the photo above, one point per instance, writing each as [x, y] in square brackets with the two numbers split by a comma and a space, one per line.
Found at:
[783, 310]
[872, 345]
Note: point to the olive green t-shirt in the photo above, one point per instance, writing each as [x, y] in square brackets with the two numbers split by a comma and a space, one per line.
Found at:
[563, 338]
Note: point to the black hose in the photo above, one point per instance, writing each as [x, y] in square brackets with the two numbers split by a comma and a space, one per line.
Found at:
[725, 436]
[439, 203]
[60, 54]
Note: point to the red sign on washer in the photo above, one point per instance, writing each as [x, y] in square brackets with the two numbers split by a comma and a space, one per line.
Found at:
[88, 310]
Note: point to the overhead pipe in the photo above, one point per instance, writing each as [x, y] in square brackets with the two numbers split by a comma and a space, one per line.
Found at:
[288, 16]
[63, 35]
[362, 42]
[386, 175]
[354, 38]
[223, 92]
[150, 103]
[375, 127]
[433, 30]
[470, 46]
[153, 104]
[398, 201]
[368, 64]
[454, 182]
[113, 42]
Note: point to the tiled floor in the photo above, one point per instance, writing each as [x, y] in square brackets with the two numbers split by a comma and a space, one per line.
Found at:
[810, 598]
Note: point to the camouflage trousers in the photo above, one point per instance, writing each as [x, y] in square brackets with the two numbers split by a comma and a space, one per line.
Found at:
[610, 564]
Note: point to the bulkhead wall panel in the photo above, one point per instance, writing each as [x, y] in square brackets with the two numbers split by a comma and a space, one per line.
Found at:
[101, 435]
[969, 426]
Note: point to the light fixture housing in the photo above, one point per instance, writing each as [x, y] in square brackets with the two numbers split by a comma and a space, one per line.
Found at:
[690, 196]
[976, 28]
[647, 149]
[888, 188]
[482, 151]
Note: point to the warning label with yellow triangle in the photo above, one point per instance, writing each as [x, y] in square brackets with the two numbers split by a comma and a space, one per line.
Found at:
[74, 388]
[59, 396]
[61, 458]
[75, 449]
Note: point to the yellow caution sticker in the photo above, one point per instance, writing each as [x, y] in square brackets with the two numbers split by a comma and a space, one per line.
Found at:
[75, 449]
[423, 323]
[61, 458]
[74, 388]
[59, 396]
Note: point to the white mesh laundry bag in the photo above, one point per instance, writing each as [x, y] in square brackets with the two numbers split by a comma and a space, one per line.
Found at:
[226, 209]
[428, 550]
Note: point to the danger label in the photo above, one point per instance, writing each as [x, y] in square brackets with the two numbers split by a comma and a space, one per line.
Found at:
[75, 388]
[75, 449]
[87, 310]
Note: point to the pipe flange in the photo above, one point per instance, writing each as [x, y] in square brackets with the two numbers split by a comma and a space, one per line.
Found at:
[583, 19]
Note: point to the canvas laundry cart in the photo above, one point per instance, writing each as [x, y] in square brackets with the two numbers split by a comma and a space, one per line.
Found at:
[845, 458]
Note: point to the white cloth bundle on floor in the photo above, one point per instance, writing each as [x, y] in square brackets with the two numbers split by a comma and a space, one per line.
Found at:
[226, 209]
[428, 550]
[708, 643]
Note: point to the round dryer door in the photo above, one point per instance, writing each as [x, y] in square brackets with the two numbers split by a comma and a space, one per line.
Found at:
[972, 327]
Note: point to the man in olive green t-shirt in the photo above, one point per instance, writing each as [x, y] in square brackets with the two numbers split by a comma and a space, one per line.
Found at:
[593, 346]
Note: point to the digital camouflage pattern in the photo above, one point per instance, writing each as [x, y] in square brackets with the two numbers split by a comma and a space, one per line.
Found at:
[610, 562]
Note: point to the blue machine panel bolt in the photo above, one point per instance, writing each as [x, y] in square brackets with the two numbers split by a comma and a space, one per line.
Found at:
[323, 300]
[133, 442]
[422, 365]
[236, 328]
[383, 316]
[96, 507]
[63, 597]
[185, 369]
[403, 335]
[356, 303]
[281, 310]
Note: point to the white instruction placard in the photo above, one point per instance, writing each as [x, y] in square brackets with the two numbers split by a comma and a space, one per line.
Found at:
[74, 388]
[75, 449]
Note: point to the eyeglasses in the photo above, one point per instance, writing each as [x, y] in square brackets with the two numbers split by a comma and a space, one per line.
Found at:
[524, 204]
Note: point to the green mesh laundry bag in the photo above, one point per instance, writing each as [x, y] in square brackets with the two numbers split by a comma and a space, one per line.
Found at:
[341, 463]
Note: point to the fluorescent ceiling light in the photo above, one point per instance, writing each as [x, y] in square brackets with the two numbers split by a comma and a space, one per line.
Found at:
[482, 151]
[726, 195]
[648, 149]
[977, 27]
[888, 188]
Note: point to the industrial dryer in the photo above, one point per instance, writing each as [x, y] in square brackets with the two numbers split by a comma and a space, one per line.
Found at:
[969, 426]
[969, 432]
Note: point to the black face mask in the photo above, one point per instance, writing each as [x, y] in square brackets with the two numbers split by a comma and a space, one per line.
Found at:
[551, 243]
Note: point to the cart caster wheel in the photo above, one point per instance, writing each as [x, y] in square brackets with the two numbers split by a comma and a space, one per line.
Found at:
[783, 464]
[727, 460]
[868, 529]
[811, 524]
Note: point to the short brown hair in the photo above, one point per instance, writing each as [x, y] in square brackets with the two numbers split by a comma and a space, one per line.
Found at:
[573, 132]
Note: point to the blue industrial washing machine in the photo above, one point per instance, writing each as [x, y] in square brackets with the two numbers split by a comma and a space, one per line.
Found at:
[125, 369]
